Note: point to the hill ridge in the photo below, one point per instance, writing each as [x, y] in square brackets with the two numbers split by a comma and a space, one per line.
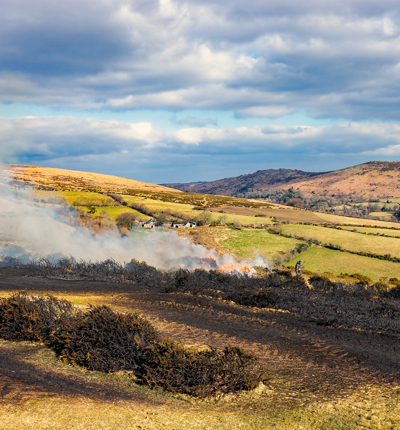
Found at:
[371, 179]
[51, 178]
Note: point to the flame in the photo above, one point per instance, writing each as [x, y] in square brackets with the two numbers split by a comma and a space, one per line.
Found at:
[238, 267]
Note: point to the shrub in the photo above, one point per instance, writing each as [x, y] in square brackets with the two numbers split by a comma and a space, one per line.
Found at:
[236, 224]
[126, 220]
[119, 200]
[204, 218]
[142, 208]
[103, 340]
[263, 298]
[393, 293]
[24, 317]
[295, 202]
[322, 283]
[380, 287]
[200, 373]
[93, 201]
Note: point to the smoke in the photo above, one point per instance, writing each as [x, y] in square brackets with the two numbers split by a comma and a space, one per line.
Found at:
[30, 231]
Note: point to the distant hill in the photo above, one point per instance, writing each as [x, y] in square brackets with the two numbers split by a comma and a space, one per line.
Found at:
[373, 179]
[47, 178]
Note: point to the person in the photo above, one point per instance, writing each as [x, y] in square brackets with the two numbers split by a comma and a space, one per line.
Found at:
[298, 267]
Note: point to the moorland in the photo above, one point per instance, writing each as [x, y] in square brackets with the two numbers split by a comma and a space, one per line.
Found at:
[327, 343]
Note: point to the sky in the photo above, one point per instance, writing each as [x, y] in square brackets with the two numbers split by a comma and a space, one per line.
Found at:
[182, 90]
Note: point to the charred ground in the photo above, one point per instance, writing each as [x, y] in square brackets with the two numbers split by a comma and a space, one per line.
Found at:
[322, 342]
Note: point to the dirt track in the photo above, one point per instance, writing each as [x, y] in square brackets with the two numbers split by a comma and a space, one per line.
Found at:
[301, 357]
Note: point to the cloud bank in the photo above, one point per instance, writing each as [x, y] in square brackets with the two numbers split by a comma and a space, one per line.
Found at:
[241, 67]
[264, 60]
[122, 148]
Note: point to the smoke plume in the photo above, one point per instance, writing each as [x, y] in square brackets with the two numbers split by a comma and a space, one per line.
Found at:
[30, 231]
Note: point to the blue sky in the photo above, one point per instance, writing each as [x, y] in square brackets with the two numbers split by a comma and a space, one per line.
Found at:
[180, 91]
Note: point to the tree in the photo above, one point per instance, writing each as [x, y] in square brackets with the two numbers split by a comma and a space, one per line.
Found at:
[296, 203]
[126, 220]
[204, 218]
[397, 215]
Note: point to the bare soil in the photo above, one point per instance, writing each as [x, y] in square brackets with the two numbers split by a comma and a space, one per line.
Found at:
[302, 359]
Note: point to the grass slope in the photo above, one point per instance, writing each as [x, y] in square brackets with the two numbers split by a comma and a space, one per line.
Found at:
[350, 240]
[61, 179]
[247, 244]
[330, 261]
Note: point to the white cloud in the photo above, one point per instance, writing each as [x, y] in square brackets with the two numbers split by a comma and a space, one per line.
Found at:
[265, 111]
[140, 151]
[128, 54]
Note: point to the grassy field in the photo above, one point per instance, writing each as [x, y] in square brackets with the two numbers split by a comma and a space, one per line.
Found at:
[382, 214]
[338, 219]
[246, 244]
[374, 230]
[69, 196]
[330, 261]
[138, 407]
[347, 239]
[187, 209]
[70, 180]
[113, 212]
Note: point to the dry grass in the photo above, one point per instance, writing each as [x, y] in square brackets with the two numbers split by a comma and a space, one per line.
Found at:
[338, 219]
[48, 178]
[282, 213]
[41, 392]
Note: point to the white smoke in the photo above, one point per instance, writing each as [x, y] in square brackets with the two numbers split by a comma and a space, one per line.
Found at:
[30, 231]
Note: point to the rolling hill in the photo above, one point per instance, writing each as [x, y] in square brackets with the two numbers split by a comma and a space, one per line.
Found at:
[369, 180]
[48, 178]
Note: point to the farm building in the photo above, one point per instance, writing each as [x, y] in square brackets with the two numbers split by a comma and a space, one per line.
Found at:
[148, 224]
[184, 224]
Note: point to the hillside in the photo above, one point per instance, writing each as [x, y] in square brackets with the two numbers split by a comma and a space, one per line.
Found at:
[47, 178]
[243, 228]
[369, 180]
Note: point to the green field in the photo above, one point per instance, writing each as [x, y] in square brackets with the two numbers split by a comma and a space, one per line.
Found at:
[336, 262]
[339, 219]
[347, 239]
[68, 196]
[246, 244]
[113, 212]
[187, 209]
[373, 230]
